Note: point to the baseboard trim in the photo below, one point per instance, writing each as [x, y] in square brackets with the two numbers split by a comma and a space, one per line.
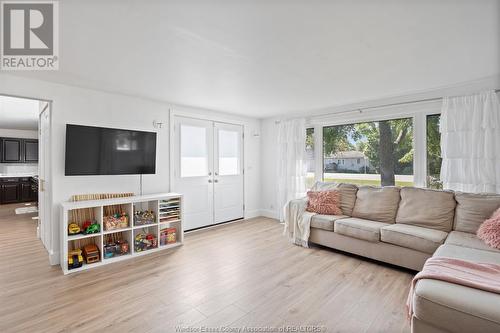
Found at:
[269, 213]
[252, 213]
[54, 258]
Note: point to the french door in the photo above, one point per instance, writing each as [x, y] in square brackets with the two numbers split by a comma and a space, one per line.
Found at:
[208, 170]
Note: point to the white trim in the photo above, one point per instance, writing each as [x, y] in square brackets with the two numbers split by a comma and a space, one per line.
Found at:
[269, 213]
[252, 213]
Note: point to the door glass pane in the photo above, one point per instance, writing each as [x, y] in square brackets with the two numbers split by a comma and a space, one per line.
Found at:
[194, 155]
[229, 153]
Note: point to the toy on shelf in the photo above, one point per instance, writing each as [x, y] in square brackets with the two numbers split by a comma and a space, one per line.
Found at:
[168, 236]
[116, 249]
[91, 253]
[91, 227]
[75, 259]
[73, 229]
[145, 242]
[116, 221]
[144, 217]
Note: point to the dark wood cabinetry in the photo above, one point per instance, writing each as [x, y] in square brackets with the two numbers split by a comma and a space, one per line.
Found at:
[13, 190]
[30, 151]
[16, 150]
[10, 193]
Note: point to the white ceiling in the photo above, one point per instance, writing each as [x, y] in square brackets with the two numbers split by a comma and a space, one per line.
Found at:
[265, 58]
[18, 113]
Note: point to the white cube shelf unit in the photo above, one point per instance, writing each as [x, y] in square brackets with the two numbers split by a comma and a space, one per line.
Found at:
[165, 212]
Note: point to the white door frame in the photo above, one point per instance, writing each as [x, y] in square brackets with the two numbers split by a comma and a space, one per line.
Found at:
[189, 114]
[45, 180]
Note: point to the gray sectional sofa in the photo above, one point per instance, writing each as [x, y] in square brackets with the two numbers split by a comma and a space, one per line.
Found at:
[406, 226]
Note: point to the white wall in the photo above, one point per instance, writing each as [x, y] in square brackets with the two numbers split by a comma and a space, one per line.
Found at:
[13, 133]
[91, 107]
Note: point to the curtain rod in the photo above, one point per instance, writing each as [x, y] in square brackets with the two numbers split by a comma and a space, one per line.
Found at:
[360, 109]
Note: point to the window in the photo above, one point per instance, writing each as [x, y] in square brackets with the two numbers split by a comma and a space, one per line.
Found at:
[383, 148]
[433, 152]
[309, 157]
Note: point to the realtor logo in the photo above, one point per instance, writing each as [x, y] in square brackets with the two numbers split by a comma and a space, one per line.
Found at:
[29, 35]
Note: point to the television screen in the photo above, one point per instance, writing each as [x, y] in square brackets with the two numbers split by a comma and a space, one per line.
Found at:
[109, 151]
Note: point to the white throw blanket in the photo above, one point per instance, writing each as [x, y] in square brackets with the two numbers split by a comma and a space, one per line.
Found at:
[297, 222]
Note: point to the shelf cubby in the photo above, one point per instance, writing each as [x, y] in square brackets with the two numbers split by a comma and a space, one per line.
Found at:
[111, 223]
[151, 206]
[79, 244]
[145, 231]
[80, 216]
[118, 243]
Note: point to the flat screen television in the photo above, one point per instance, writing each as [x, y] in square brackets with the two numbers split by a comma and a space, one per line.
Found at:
[109, 151]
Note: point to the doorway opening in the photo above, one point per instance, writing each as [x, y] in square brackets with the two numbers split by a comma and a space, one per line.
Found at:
[24, 167]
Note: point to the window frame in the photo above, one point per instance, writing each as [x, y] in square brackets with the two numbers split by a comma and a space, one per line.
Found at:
[418, 111]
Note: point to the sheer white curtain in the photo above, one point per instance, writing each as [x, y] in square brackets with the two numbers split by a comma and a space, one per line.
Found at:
[291, 173]
[470, 143]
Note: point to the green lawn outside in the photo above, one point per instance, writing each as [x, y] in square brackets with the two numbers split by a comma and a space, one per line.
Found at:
[310, 181]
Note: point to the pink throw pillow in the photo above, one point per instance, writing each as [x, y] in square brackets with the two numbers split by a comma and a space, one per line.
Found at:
[489, 230]
[324, 202]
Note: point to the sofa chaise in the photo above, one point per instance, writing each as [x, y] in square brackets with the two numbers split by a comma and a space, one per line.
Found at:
[406, 226]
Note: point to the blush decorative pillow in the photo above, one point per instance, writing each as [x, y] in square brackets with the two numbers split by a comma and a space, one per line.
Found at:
[324, 202]
[489, 230]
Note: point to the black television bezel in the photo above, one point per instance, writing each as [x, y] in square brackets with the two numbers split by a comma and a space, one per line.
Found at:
[107, 174]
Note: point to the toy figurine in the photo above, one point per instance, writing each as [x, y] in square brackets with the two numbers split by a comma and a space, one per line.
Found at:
[75, 259]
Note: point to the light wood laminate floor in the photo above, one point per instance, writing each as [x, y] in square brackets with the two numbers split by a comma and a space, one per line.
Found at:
[240, 274]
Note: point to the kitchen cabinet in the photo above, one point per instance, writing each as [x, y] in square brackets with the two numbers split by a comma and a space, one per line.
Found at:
[10, 193]
[17, 150]
[30, 151]
[17, 189]
[12, 150]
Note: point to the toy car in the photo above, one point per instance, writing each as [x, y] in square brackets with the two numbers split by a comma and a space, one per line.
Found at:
[75, 259]
[73, 229]
[92, 229]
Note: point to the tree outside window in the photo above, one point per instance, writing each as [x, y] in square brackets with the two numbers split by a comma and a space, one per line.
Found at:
[384, 150]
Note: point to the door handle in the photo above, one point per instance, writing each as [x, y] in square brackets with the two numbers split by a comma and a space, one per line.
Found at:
[210, 180]
[216, 173]
[216, 181]
[210, 173]
[42, 185]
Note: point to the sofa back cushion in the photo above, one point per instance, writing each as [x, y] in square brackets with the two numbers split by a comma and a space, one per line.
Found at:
[427, 208]
[377, 203]
[347, 194]
[474, 209]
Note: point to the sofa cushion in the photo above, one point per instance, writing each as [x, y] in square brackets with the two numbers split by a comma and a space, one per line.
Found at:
[426, 208]
[377, 203]
[325, 222]
[455, 308]
[413, 237]
[466, 239]
[474, 209]
[465, 253]
[324, 202]
[347, 194]
[360, 228]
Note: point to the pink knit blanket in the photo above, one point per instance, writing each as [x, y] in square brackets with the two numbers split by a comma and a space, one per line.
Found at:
[466, 273]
